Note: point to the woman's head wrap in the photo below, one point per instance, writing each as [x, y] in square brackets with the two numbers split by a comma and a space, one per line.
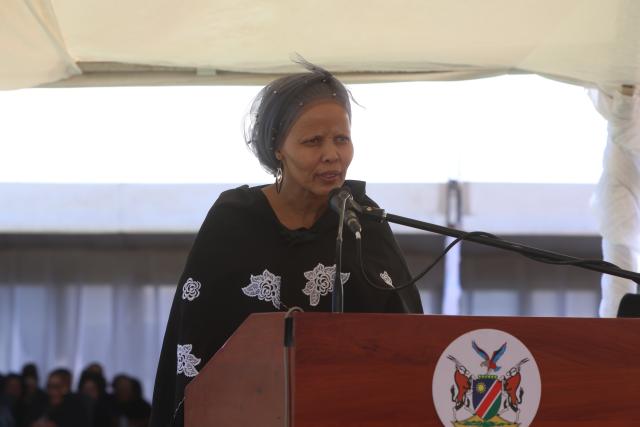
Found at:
[278, 105]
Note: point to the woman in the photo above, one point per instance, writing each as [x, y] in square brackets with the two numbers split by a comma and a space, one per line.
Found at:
[272, 247]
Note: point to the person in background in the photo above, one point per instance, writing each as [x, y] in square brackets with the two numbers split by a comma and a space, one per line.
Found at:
[34, 399]
[92, 388]
[130, 407]
[96, 368]
[13, 396]
[64, 409]
[6, 418]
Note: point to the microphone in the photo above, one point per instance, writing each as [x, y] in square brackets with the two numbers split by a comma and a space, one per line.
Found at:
[340, 197]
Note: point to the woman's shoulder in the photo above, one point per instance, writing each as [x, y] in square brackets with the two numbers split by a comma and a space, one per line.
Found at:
[239, 197]
[359, 192]
[245, 194]
[236, 206]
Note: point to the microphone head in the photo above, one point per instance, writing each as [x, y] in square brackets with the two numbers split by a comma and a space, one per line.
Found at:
[341, 198]
[337, 190]
[337, 196]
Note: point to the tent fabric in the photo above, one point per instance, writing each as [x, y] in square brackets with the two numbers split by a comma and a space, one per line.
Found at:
[32, 49]
[617, 196]
[590, 42]
[104, 74]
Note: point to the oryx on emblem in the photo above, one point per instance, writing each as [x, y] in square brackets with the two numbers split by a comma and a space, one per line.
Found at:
[498, 390]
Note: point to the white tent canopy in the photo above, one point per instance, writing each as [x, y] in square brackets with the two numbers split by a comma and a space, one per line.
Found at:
[591, 42]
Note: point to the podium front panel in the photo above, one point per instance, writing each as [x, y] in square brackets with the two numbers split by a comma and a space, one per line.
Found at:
[243, 383]
[377, 370]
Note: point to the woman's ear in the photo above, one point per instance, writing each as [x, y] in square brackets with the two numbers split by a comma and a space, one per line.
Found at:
[278, 155]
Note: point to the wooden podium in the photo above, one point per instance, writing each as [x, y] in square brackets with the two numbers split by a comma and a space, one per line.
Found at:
[377, 370]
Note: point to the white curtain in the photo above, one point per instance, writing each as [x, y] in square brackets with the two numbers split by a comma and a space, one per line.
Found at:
[107, 298]
[617, 197]
[68, 308]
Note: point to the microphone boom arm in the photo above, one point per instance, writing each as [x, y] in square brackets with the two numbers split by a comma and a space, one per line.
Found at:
[486, 239]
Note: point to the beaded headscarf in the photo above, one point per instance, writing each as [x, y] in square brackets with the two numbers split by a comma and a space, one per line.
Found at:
[278, 105]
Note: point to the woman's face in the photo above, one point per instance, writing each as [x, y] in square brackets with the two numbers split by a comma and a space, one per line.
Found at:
[317, 150]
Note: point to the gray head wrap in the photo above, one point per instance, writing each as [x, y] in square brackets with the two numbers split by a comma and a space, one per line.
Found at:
[277, 106]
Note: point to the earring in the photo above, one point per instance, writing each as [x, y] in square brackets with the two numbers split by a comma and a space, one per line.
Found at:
[279, 178]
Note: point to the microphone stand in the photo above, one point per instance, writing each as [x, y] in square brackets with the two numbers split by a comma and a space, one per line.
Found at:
[535, 253]
[337, 296]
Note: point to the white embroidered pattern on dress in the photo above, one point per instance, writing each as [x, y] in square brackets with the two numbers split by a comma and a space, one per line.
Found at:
[320, 282]
[187, 362]
[190, 289]
[386, 278]
[265, 286]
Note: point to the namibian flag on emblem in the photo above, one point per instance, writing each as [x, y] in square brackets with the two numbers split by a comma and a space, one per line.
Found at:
[487, 396]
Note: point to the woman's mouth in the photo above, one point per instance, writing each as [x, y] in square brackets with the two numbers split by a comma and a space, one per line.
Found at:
[330, 176]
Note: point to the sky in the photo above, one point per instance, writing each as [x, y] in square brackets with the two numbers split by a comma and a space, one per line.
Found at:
[516, 128]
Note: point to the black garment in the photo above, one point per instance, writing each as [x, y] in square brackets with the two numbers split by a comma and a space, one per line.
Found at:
[104, 413]
[70, 413]
[134, 413]
[245, 261]
[101, 411]
[33, 407]
[6, 418]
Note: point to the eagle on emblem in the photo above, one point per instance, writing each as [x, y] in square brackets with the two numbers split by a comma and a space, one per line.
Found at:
[490, 363]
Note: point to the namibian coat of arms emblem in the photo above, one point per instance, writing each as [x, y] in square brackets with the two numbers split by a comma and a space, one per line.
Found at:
[486, 378]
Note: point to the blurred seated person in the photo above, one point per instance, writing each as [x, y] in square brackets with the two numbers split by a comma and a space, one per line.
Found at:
[95, 368]
[131, 410]
[92, 388]
[64, 409]
[34, 399]
[6, 417]
[13, 391]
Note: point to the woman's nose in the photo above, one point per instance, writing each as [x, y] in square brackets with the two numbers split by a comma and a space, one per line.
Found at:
[330, 153]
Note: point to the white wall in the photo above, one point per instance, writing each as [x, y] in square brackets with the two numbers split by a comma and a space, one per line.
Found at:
[178, 208]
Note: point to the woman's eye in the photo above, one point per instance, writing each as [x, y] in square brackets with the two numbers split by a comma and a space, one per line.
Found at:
[343, 138]
[312, 141]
